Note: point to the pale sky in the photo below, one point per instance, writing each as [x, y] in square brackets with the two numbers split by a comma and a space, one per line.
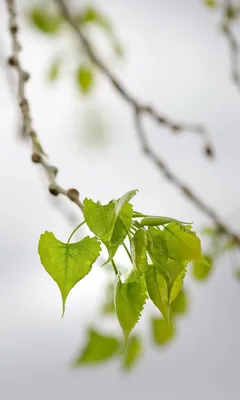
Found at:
[177, 60]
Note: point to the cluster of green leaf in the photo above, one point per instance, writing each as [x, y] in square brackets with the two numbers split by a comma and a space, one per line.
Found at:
[49, 21]
[159, 250]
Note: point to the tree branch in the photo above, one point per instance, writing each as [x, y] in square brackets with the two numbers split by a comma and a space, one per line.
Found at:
[38, 156]
[161, 119]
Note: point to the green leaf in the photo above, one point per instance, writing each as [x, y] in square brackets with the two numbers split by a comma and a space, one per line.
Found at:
[44, 21]
[124, 200]
[201, 269]
[92, 15]
[182, 243]
[176, 271]
[162, 333]
[67, 263]
[157, 248]
[180, 304]
[158, 290]
[129, 303]
[138, 251]
[132, 353]
[237, 273]
[211, 3]
[85, 78]
[156, 221]
[54, 71]
[108, 305]
[100, 219]
[99, 348]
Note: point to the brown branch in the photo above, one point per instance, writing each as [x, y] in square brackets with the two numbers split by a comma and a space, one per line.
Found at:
[38, 155]
[161, 119]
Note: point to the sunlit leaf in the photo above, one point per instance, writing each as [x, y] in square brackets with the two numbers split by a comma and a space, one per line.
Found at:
[157, 247]
[129, 302]
[45, 21]
[138, 251]
[180, 304]
[99, 348]
[132, 353]
[182, 243]
[157, 288]
[85, 78]
[67, 263]
[100, 218]
[201, 270]
[162, 333]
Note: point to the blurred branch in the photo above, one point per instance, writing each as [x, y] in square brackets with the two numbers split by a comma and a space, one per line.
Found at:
[38, 155]
[161, 119]
[230, 14]
[139, 111]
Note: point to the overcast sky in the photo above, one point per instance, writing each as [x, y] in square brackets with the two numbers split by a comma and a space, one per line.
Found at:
[177, 60]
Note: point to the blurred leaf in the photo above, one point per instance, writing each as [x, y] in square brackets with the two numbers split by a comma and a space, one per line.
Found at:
[182, 243]
[118, 48]
[162, 333]
[98, 348]
[180, 304]
[211, 3]
[108, 305]
[54, 70]
[92, 15]
[132, 353]
[231, 13]
[67, 263]
[44, 21]
[129, 303]
[85, 78]
[201, 270]
[237, 273]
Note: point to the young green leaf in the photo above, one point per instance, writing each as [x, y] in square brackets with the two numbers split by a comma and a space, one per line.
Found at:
[67, 263]
[132, 353]
[124, 200]
[129, 302]
[85, 78]
[177, 286]
[176, 271]
[100, 219]
[182, 243]
[156, 221]
[180, 304]
[108, 305]
[138, 251]
[158, 290]
[202, 269]
[211, 3]
[46, 22]
[92, 15]
[157, 247]
[99, 348]
[162, 333]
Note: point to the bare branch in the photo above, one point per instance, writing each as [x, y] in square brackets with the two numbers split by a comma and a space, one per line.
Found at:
[38, 155]
[161, 119]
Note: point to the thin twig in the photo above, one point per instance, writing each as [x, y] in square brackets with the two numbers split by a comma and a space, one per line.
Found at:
[163, 167]
[139, 111]
[161, 119]
[38, 155]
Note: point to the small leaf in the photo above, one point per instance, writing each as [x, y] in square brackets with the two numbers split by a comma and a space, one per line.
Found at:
[132, 353]
[67, 263]
[54, 71]
[162, 333]
[176, 271]
[180, 304]
[129, 302]
[201, 269]
[182, 243]
[211, 3]
[157, 247]
[158, 290]
[138, 251]
[98, 349]
[45, 22]
[177, 286]
[92, 15]
[100, 219]
[85, 78]
[156, 221]
[125, 200]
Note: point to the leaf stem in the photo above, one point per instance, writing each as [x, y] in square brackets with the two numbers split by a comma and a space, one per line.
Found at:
[114, 267]
[75, 230]
[127, 251]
